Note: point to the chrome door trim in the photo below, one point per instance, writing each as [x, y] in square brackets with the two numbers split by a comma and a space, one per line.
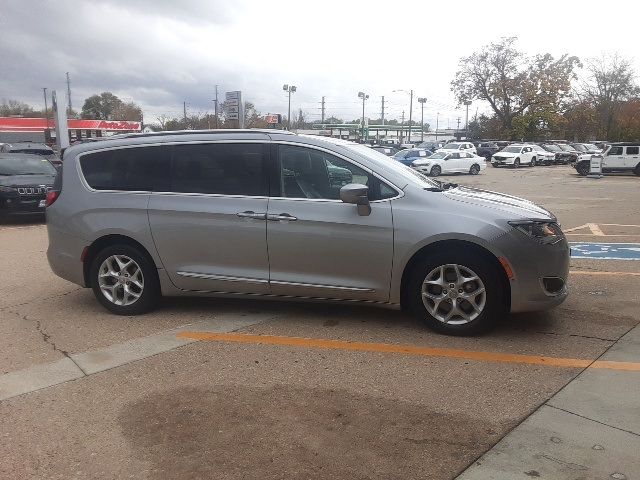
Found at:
[224, 278]
[315, 285]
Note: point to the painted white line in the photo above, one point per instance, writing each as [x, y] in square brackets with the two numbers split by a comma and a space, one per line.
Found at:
[595, 229]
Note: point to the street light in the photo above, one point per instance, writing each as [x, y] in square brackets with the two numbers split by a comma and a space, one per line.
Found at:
[364, 97]
[422, 101]
[410, 108]
[437, 122]
[466, 121]
[289, 89]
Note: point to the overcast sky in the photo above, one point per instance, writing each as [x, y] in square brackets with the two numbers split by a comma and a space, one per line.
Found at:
[160, 53]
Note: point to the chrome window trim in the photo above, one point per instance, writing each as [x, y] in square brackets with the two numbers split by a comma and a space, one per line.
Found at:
[317, 285]
[225, 278]
[346, 159]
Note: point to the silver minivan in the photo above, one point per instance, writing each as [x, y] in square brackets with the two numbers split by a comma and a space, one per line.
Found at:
[267, 213]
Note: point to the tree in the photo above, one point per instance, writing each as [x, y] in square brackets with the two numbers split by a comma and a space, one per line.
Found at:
[16, 108]
[108, 106]
[610, 83]
[514, 84]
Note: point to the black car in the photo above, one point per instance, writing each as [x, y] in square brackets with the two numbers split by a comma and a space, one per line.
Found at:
[32, 148]
[24, 182]
[486, 149]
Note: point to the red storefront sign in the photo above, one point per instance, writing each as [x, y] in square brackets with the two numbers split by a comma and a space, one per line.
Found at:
[10, 124]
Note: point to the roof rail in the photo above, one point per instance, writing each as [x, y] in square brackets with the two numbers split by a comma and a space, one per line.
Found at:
[191, 132]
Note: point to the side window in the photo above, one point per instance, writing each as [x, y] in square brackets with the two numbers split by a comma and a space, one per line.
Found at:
[454, 156]
[633, 150]
[615, 151]
[220, 168]
[310, 173]
[131, 169]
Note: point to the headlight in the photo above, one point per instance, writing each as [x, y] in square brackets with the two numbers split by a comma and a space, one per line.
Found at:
[544, 232]
[7, 189]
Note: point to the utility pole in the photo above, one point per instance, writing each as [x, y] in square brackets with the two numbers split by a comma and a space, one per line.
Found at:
[322, 108]
[466, 121]
[184, 110]
[215, 104]
[69, 93]
[364, 97]
[410, 112]
[382, 114]
[437, 124]
[402, 128]
[422, 101]
[458, 129]
[46, 106]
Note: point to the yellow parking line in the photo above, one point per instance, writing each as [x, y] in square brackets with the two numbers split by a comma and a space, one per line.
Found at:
[328, 344]
[587, 272]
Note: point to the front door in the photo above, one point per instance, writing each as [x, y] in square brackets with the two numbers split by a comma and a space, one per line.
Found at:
[210, 229]
[614, 158]
[319, 246]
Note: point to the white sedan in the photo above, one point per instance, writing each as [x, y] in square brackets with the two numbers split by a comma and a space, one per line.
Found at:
[459, 147]
[450, 162]
[515, 155]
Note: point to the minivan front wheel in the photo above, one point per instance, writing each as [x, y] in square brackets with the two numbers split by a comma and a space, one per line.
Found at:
[456, 293]
[124, 280]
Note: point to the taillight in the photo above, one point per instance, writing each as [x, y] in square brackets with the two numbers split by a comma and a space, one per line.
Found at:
[52, 196]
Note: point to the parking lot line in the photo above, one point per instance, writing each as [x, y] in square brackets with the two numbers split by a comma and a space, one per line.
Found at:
[328, 344]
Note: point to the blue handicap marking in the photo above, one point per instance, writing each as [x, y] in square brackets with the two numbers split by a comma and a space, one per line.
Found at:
[605, 251]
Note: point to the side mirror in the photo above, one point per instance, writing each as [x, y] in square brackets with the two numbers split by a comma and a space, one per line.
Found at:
[357, 194]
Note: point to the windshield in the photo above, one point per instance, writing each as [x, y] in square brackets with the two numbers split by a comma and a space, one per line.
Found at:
[401, 154]
[567, 148]
[25, 166]
[452, 146]
[580, 148]
[408, 173]
[591, 146]
[439, 155]
[512, 149]
[553, 148]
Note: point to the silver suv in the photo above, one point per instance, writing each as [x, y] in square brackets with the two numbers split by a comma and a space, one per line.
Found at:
[270, 213]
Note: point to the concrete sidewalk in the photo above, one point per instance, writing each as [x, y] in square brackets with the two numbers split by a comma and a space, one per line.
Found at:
[589, 430]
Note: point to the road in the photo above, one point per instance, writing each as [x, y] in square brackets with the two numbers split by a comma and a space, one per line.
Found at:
[230, 389]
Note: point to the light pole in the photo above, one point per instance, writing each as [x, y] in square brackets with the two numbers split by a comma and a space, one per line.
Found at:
[364, 97]
[422, 101]
[289, 89]
[466, 121]
[46, 106]
[410, 92]
[437, 123]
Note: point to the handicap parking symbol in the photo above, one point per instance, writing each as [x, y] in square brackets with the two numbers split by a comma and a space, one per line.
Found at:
[605, 251]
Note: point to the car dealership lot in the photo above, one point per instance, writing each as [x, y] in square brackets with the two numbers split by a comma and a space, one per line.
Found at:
[322, 395]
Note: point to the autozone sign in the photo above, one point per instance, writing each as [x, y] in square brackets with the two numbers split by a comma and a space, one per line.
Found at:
[11, 124]
[273, 118]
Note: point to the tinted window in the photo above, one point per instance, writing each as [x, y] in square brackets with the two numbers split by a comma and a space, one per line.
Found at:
[222, 168]
[310, 173]
[615, 151]
[633, 150]
[139, 168]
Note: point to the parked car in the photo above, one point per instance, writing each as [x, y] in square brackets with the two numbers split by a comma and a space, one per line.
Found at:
[543, 156]
[486, 149]
[583, 148]
[388, 151]
[408, 155]
[24, 182]
[567, 155]
[556, 150]
[209, 213]
[460, 146]
[32, 148]
[515, 155]
[618, 157]
[431, 146]
[453, 162]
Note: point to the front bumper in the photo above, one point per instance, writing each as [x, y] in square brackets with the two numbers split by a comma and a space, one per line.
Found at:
[538, 270]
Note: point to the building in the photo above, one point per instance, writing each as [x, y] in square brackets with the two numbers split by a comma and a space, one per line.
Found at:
[20, 129]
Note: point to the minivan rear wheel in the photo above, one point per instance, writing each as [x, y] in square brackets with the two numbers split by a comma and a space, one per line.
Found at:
[124, 280]
[456, 293]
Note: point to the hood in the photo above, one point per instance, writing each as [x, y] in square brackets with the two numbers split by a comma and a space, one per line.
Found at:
[517, 207]
[22, 180]
[507, 154]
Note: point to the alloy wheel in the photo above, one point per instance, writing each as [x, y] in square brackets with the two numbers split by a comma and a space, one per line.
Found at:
[120, 280]
[453, 294]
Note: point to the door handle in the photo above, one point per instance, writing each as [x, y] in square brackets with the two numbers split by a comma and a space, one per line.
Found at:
[250, 214]
[282, 216]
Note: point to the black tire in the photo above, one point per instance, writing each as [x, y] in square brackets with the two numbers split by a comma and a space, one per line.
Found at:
[435, 171]
[637, 170]
[495, 305]
[533, 162]
[488, 157]
[150, 294]
[475, 169]
[516, 163]
[494, 165]
[583, 168]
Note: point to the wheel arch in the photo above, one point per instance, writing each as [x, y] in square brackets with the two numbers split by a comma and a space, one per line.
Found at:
[106, 241]
[440, 245]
